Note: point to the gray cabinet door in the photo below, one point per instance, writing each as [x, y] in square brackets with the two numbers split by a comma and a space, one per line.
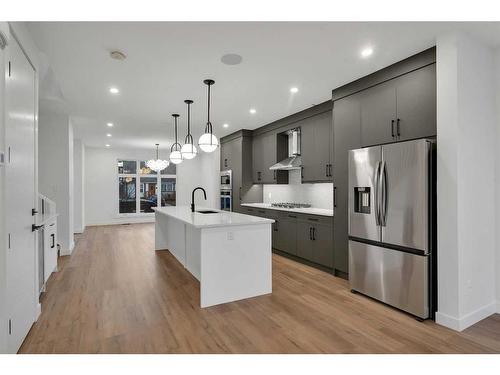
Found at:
[416, 104]
[378, 114]
[316, 145]
[264, 155]
[347, 136]
[286, 239]
[304, 241]
[323, 245]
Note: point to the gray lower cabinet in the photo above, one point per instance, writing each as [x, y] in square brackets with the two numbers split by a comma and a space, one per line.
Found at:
[316, 132]
[285, 234]
[315, 243]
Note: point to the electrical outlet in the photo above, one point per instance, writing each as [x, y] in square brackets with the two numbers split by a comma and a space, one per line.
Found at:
[230, 236]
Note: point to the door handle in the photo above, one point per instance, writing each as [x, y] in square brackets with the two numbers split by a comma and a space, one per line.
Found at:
[392, 128]
[397, 128]
[35, 227]
[376, 194]
[383, 201]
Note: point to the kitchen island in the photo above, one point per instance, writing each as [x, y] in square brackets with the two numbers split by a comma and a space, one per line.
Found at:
[228, 253]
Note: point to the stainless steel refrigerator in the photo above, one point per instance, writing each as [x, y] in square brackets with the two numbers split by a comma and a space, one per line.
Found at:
[391, 190]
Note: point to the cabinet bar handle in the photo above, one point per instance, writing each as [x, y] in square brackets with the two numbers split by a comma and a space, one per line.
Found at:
[334, 196]
[310, 233]
[326, 170]
[392, 128]
[314, 233]
[397, 128]
[53, 236]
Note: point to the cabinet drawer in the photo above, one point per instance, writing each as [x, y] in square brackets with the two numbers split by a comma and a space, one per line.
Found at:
[316, 219]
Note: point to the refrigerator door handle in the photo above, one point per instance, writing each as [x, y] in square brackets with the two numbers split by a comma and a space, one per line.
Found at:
[383, 193]
[376, 194]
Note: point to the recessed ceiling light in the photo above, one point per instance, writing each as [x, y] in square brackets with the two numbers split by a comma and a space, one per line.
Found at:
[366, 52]
[294, 90]
[114, 90]
[252, 111]
[107, 144]
[108, 135]
[110, 124]
[231, 59]
[225, 125]
[117, 55]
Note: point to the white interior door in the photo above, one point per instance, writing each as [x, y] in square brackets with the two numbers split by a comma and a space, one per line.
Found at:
[20, 196]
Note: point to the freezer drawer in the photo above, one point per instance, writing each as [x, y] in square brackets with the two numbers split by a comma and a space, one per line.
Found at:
[397, 278]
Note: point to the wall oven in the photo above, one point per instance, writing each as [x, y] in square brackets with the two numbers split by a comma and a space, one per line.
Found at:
[226, 190]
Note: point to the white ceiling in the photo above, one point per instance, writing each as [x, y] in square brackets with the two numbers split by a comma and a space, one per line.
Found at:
[167, 62]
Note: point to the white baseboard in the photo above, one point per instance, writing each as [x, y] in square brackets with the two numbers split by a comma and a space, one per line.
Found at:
[459, 324]
[122, 221]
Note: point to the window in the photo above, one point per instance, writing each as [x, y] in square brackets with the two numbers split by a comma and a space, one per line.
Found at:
[138, 187]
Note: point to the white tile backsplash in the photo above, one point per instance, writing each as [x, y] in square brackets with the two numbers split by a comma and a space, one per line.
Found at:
[318, 195]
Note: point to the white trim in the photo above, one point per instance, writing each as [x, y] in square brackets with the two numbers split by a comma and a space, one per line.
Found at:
[459, 324]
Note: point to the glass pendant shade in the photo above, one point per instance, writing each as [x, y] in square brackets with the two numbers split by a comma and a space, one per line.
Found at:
[175, 150]
[208, 142]
[157, 164]
[189, 150]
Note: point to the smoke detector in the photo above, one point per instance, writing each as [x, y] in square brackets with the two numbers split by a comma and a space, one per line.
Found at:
[117, 55]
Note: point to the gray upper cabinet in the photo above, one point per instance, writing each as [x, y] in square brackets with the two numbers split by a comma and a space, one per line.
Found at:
[316, 135]
[416, 104]
[400, 109]
[264, 156]
[378, 114]
[230, 154]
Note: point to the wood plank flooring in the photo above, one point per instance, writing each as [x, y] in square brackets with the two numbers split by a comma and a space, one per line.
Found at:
[115, 294]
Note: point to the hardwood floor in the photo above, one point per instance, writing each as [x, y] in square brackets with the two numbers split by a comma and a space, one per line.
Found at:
[115, 294]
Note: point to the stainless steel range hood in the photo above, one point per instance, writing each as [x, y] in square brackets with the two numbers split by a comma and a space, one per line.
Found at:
[294, 161]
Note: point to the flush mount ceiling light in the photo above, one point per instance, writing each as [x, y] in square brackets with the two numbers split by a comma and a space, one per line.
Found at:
[117, 55]
[114, 90]
[368, 51]
[208, 142]
[107, 145]
[226, 125]
[157, 164]
[252, 111]
[231, 59]
[188, 150]
[110, 124]
[108, 135]
[294, 90]
[175, 149]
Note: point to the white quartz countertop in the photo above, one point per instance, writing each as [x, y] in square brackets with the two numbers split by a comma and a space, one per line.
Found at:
[307, 211]
[219, 219]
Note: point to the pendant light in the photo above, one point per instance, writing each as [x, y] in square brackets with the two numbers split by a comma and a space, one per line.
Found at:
[208, 142]
[157, 164]
[188, 150]
[175, 150]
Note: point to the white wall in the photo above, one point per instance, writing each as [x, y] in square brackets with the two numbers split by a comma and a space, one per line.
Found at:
[202, 171]
[466, 132]
[101, 185]
[3, 249]
[79, 189]
[55, 164]
[318, 195]
[497, 175]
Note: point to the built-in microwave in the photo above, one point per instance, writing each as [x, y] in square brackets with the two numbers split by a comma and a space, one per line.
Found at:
[226, 180]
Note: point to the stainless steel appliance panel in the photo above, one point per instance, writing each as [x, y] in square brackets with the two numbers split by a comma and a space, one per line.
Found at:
[363, 189]
[404, 189]
[397, 278]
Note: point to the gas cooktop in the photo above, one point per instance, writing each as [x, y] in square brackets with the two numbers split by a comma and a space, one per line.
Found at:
[290, 205]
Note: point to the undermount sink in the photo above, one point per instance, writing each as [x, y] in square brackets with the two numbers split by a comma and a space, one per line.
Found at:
[207, 212]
